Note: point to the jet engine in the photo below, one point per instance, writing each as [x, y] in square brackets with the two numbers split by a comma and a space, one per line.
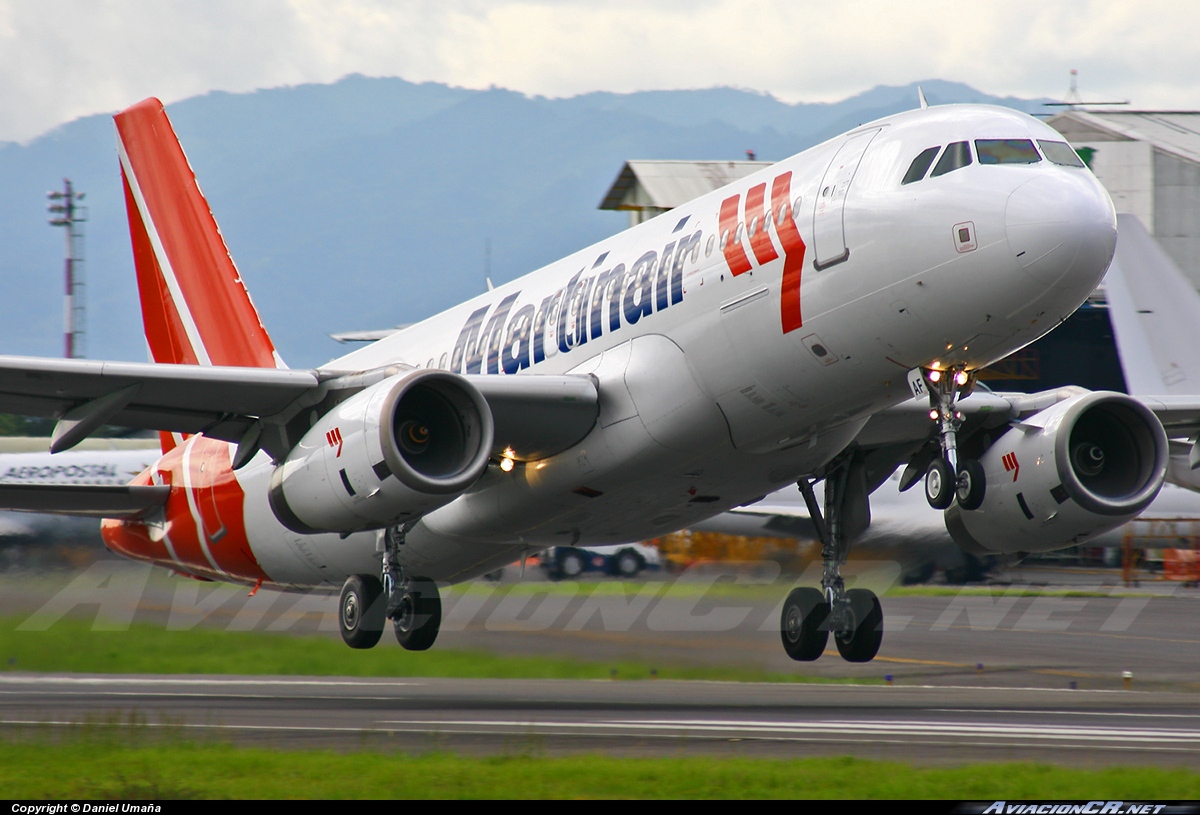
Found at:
[392, 452]
[1064, 475]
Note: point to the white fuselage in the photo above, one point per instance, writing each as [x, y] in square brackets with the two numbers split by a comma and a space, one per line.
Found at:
[715, 386]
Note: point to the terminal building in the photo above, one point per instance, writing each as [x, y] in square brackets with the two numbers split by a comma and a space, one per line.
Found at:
[1149, 161]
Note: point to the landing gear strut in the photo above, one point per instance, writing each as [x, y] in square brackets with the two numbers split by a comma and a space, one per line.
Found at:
[413, 603]
[947, 479]
[854, 617]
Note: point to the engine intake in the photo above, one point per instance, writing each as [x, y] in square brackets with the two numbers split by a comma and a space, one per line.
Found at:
[1070, 472]
[401, 448]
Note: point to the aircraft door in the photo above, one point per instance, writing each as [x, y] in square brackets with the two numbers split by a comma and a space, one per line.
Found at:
[829, 230]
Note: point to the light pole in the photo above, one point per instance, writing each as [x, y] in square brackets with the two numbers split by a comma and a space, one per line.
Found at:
[66, 212]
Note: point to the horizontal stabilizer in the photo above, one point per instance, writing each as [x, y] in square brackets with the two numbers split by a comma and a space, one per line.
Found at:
[88, 500]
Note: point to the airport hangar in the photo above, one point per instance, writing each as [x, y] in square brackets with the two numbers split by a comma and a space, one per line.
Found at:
[1149, 161]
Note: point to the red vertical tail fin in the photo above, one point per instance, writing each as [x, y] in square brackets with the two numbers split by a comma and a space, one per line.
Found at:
[195, 306]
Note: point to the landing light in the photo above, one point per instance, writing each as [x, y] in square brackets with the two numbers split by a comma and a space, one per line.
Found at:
[506, 464]
[935, 376]
[960, 378]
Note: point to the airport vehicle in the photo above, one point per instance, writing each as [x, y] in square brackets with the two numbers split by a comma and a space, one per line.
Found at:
[818, 320]
[622, 560]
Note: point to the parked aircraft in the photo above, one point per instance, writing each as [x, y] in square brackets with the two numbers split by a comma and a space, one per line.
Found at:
[821, 319]
[905, 532]
[33, 469]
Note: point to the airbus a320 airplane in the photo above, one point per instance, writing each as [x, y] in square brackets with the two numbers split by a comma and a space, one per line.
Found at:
[817, 320]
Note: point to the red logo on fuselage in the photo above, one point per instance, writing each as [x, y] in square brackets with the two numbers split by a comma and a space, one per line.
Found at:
[1011, 465]
[334, 437]
[756, 222]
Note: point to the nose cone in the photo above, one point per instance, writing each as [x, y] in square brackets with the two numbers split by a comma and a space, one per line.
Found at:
[1061, 227]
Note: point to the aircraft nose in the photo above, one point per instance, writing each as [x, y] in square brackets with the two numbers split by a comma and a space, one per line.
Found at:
[1062, 224]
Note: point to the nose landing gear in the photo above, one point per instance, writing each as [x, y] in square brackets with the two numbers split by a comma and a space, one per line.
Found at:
[947, 479]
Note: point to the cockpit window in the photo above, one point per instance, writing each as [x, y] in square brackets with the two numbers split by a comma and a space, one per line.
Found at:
[957, 155]
[1006, 151]
[1061, 153]
[916, 170]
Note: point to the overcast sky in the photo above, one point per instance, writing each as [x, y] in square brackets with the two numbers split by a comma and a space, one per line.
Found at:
[61, 59]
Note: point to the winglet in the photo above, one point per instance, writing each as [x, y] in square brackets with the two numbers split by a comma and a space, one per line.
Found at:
[921, 98]
[194, 305]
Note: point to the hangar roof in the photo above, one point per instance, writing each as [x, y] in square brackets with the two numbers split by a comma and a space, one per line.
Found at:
[1176, 132]
[667, 184]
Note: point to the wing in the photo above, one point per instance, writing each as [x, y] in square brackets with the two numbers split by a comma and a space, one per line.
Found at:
[905, 431]
[535, 414]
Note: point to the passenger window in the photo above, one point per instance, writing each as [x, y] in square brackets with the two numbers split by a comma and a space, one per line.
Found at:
[1060, 153]
[957, 155]
[1006, 151]
[920, 165]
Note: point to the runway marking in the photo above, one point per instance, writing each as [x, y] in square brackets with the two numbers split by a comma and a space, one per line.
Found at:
[912, 661]
[389, 731]
[1107, 714]
[144, 681]
[116, 694]
[1076, 633]
[836, 727]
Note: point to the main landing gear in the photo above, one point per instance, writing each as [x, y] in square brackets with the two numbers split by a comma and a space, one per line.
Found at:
[947, 479]
[413, 604]
[854, 617]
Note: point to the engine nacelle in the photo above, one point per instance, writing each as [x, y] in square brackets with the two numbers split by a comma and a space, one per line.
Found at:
[401, 448]
[1073, 471]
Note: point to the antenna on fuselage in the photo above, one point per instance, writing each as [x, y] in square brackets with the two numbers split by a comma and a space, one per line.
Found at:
[487, 263]
[921, 98]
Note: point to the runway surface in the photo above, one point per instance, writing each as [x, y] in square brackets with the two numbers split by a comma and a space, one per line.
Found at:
[922, 724]
[1108, 676]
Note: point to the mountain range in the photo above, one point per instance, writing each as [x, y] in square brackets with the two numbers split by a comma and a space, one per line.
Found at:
[371, 202]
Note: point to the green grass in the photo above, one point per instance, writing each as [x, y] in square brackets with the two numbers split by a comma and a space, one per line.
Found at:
[90, 768]
[72, 646]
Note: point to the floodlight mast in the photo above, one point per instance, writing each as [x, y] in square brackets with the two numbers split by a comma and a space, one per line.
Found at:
[66, 212]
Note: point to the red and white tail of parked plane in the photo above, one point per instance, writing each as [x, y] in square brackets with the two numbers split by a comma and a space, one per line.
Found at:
[820, 320]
